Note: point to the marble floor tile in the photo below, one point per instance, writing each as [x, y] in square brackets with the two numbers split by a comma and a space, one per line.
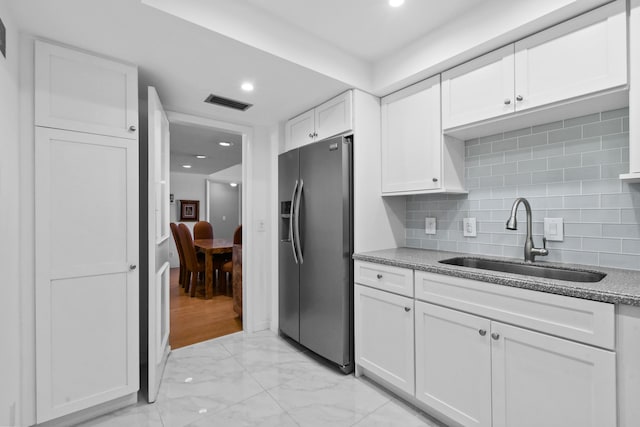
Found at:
[247, 380]
[260, 410]
[142, 414]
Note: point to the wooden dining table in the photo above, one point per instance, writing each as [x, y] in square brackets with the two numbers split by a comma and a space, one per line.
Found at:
[216, 251]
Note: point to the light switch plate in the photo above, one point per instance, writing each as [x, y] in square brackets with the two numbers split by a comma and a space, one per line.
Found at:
[469, 227]
[554, 229]
[429, 226]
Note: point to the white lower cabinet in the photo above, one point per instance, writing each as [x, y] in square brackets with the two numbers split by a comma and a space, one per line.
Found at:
[453, 363]
[479, 372]
[384, 336]
[492, 356]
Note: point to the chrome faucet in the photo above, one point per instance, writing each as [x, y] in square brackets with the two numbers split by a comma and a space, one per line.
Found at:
[530, 251]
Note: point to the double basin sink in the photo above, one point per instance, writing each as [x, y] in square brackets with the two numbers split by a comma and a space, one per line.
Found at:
[548, 272]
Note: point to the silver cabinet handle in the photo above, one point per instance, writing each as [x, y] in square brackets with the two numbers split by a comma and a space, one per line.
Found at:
[482, 332]
[407, 309]
[132, 267]
[507, 101]
[495, 336]
[379, 276]
[132, 128]
[435, 179]
[519, 98]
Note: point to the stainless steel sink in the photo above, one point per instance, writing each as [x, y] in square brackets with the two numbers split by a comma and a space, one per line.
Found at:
[536, 270]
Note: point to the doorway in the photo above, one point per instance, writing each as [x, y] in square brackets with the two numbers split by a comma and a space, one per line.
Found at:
[206, 165]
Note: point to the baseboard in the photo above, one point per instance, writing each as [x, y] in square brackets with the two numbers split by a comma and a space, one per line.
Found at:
[93, 412]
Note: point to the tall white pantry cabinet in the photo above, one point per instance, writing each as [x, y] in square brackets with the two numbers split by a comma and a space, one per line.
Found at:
[86, 219]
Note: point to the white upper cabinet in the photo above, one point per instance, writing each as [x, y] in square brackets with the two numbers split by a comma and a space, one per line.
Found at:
[479, 89]
[553, 68]
[584, 55]
[86, 93]
[411, 138]
[326, 120]
[415, 156]
[300, 130]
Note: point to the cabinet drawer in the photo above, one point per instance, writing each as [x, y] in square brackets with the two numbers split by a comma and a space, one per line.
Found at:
[590, 322]
[388, 278]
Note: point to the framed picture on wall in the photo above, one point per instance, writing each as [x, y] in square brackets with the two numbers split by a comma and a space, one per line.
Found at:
[189, 210]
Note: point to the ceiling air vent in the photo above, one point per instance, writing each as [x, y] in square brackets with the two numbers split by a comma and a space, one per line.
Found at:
[226, 102]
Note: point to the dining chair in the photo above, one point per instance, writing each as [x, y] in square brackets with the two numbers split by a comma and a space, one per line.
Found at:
[176, 238]
[202, 230]
[227, 267]
[193, 264]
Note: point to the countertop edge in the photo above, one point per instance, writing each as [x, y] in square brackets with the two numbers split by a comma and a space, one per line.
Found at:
[506, 279]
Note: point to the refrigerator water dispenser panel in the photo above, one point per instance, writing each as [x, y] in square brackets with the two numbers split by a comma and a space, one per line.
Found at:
[285, 215]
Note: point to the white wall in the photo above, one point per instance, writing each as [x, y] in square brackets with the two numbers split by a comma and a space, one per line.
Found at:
[9, 223]
[184, 186]
[224, 202]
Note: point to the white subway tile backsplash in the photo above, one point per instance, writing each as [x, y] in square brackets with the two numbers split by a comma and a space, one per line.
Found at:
[582, 120]
[604, 127]
[566, 134]
[566, 169]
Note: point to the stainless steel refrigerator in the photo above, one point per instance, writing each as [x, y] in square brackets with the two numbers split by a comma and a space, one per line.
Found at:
[315, 249]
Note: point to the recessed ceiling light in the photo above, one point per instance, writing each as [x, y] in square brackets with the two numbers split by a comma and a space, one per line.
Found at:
[396, 3]
[186, 166]
[225, 143]
[200, 156]
[233, 184]
[247, 86]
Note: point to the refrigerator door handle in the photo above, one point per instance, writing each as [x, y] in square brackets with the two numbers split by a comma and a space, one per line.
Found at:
[291, 215]
[296, 222]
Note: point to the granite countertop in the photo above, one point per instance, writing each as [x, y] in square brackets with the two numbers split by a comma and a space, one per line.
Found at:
[619, 286]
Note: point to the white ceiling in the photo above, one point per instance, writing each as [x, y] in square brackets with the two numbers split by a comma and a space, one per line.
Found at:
[367, 29]
[189, 141]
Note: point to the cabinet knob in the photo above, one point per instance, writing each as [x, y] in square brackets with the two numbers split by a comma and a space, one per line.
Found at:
[132, 128]
[482, 332]
[435, 179]
[519, 98]
[132, 267]
[315, 134]
[507, 101]
[495, 336]
[407, 309]
[311, 135]
[379, 276]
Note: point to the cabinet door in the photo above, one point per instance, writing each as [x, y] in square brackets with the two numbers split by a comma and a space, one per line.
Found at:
[540, 380]
[85, 93]
[479, 89]
[412, 139]
[86, 219]
[334, 116]
[584, 55]
[453, 363]
[300, 130]
[384, 336]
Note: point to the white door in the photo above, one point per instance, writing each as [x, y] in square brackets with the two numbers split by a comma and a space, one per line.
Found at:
[384, 336]
[584, 55]
[159, 233]
[412, 138]
[540, 380]
[86, 219]
[334, 116]
[453, 364]
[479, 89]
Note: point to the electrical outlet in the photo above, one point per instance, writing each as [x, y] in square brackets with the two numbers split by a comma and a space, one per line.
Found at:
[429, 226]
[554, 229]
[469, 227]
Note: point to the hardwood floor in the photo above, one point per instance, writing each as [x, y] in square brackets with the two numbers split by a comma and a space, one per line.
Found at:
[195, 319]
